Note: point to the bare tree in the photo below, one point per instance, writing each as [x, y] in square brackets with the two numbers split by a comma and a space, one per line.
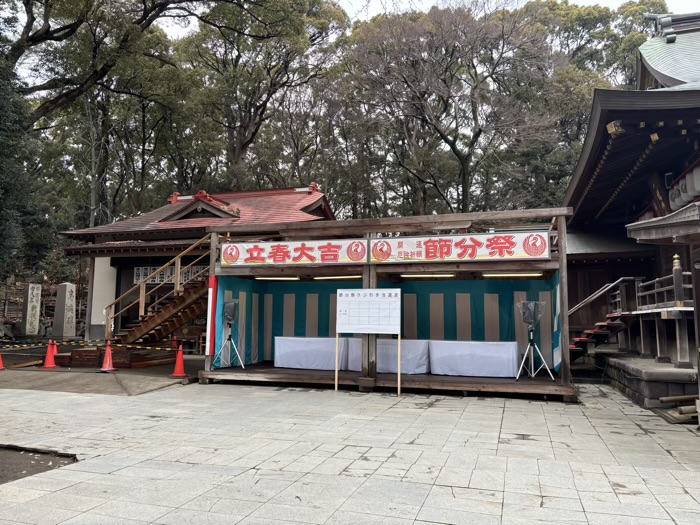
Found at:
[451, 71]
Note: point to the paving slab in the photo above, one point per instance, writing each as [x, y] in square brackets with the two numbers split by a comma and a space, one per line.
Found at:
[278, 456]
[124, 382]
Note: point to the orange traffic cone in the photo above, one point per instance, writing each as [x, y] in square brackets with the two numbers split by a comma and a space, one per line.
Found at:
[175, 343]
[55, 347]
[179, 365]
[49, 362]
[2, 367]
[107, 362]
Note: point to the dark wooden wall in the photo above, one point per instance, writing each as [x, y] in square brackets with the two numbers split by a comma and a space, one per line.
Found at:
[585, 278]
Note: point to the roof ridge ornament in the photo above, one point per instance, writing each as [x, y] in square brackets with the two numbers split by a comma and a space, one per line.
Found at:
[663, 26]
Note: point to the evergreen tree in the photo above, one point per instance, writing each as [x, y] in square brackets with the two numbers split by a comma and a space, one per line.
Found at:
[15, 195]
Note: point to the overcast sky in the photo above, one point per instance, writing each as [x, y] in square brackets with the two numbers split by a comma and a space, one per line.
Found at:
[368, 8]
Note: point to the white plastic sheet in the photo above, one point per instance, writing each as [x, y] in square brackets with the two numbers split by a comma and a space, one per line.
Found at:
[312, 353]
[414, 356]
[474, 358]
[354, 354]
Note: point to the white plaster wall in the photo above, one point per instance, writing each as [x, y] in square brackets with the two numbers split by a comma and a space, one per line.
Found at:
[104, 287]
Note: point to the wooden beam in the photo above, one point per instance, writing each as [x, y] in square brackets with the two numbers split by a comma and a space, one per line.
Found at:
[564, 304]
[287, 271]
[486, 266]
[395, 224]
[386, 269]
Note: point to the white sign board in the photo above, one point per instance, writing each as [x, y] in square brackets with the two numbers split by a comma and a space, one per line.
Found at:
[369, 311]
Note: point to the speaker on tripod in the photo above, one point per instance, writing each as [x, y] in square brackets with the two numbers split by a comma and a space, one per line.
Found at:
[229, 346]
[531, 312]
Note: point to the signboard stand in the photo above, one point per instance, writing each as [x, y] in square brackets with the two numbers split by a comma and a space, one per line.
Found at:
[398, 369]
[368, 311]
[337, 351]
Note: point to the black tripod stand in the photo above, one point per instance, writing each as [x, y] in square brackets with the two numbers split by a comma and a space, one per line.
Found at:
[530, 352]
[224, 353]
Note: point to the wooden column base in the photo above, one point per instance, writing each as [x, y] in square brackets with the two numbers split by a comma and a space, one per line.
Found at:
[366, 384]
[684, 364]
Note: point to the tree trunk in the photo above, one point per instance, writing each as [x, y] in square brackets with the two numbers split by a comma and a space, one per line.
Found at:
[97, 116]
[234, 158]
[465, 178]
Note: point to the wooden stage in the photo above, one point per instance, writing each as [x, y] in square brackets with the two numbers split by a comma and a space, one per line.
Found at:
[267, 373]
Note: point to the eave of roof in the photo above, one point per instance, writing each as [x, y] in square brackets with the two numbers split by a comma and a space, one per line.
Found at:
[607, 101]
[689, 214]
[681, 226]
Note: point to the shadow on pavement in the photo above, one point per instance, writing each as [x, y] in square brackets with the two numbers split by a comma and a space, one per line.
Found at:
[124, 382]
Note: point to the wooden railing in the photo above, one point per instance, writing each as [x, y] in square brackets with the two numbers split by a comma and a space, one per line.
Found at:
[174, 277]
[669, 291]
[619, 284]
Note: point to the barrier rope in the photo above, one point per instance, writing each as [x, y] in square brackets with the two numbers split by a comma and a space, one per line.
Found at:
[95, 342]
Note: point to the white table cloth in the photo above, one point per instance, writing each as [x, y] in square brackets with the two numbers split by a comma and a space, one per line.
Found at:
[414, 356]
[313, 353]
[354, 345]
[474, 358]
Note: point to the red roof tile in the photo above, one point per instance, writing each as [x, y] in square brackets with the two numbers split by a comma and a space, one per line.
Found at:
[255, 207]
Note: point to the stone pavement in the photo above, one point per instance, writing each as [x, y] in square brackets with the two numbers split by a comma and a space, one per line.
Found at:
[125, 382]
[225, 454]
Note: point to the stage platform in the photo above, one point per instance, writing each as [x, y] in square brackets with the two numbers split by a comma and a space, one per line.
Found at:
[267, 373]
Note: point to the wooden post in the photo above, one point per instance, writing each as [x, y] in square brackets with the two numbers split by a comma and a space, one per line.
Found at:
[337, 341]
[678, 294]
[647, 338]
[142, 299]
[623, 336]
[108, 323]
[563, 301]
[176, 277]
[369, 341]
[661, 337]
[623, 297]
[88, 308]
[682, 343]
[372, 338]
[398, 374]
[695, 269]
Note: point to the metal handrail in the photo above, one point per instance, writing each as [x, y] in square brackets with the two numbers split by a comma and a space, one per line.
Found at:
[598, 293]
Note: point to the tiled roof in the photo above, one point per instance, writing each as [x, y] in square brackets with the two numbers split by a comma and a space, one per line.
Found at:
[254, 207]
[673, 55]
